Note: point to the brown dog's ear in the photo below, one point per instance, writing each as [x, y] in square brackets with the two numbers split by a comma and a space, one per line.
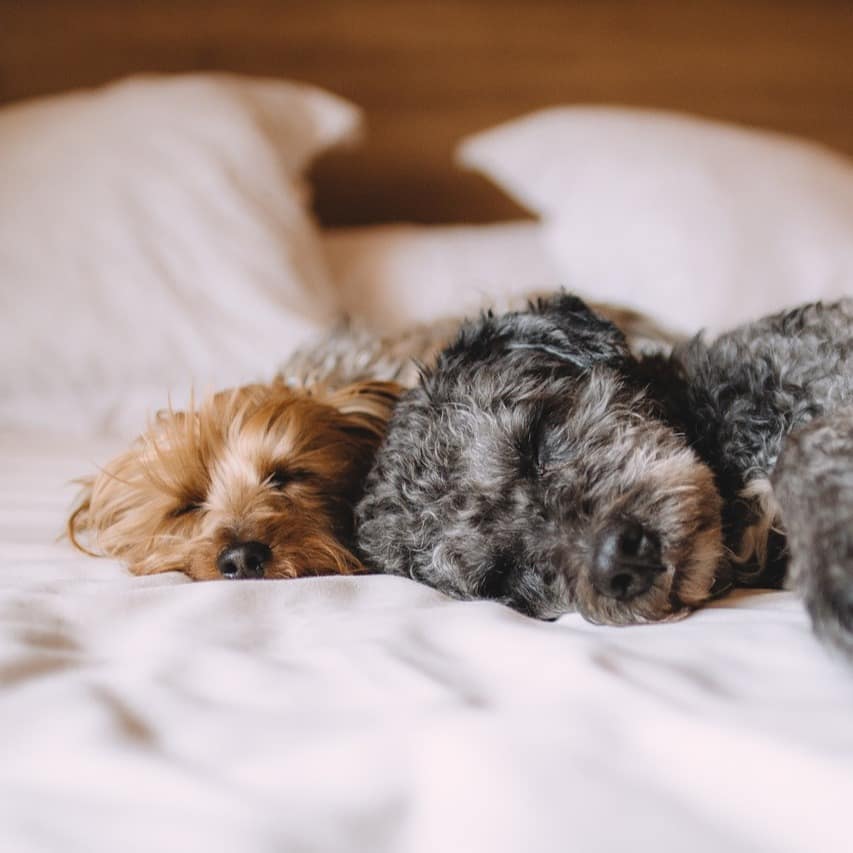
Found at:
[368, 405]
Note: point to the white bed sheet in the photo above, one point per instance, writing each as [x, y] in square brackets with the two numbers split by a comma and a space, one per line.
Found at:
[372, 714]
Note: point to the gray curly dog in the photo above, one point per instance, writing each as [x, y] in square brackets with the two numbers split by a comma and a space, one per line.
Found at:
[540, 464]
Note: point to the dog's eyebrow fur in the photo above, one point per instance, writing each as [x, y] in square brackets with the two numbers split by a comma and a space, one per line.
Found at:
[561, 355]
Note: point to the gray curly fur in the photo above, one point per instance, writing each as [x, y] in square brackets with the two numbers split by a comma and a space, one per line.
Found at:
[538, 433]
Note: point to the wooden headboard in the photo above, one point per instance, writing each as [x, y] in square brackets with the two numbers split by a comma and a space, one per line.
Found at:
[427, 72]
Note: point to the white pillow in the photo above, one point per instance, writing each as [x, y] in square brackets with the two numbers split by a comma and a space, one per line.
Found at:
[394, 276]
[154, 234]
[699, 223]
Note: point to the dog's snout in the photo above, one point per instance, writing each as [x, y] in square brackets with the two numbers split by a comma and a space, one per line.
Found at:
[626, 560]
[243, 560]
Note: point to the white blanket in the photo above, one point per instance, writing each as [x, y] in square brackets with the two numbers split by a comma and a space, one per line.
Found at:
[372, 714]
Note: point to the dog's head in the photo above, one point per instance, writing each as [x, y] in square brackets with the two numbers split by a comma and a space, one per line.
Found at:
[532, 466]
[258, 481]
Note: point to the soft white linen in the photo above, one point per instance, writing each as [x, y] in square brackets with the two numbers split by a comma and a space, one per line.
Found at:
[393, 276]
[155, 233]
[386, 276]
[699, 223]
[371, 714]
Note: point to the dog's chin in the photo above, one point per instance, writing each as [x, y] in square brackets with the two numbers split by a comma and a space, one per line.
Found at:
[658, 604]
[608, 612]
[315, 557]
[673, 596]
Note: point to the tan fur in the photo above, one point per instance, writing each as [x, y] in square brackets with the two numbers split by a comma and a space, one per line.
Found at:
[199, 481]
[758, 493]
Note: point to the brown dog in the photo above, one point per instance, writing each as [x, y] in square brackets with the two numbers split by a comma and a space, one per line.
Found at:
[258, 481]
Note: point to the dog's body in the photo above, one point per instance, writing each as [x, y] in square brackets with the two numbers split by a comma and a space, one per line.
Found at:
[543, 465]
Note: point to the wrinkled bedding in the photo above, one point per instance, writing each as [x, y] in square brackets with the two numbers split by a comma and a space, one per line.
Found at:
[373, 714]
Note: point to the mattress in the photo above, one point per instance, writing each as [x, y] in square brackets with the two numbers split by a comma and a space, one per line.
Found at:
[374, 714]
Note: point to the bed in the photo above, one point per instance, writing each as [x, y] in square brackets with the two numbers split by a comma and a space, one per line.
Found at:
[371, 713]
[374, 714]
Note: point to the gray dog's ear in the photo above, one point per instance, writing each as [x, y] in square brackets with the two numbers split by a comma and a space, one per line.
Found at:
[572, 332]
[561, 327]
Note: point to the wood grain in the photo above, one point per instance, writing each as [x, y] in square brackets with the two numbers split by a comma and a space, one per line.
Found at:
[427, 73]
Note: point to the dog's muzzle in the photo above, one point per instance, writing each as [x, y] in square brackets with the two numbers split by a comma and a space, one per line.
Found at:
[626, 560]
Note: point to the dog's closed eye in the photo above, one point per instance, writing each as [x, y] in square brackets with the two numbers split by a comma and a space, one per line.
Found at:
[537, 444]
[281, 478]
[185, 509]
[526, 440]
[495, 583]
[554, 449]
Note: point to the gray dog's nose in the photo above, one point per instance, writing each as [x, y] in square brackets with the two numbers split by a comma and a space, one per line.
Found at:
[243, 560]
[626, 560]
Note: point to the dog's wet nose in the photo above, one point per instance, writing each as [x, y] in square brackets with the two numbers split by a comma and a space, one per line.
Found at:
[243, 560]
[626, 560]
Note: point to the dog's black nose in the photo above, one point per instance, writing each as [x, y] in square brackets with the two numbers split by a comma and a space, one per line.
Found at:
[243, 560]
[626, 560]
